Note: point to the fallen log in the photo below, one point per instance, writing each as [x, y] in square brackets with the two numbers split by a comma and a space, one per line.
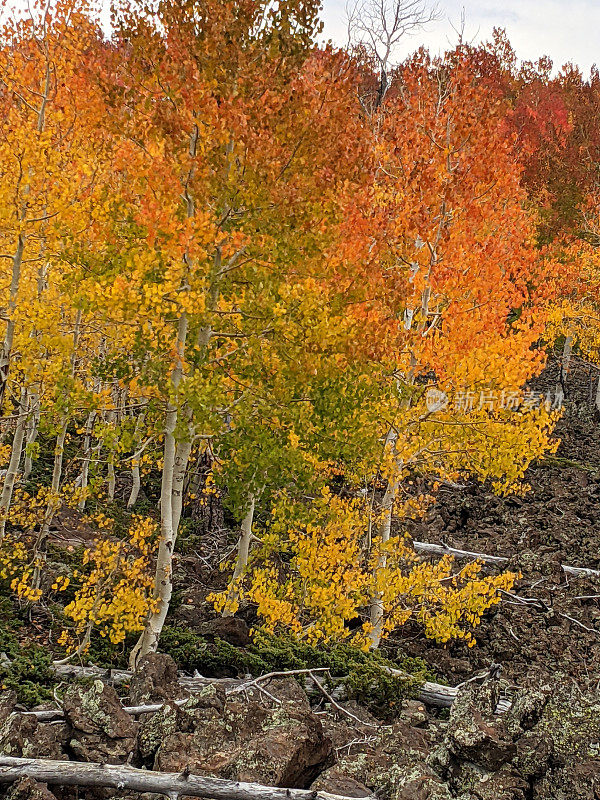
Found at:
[432, 694]
[439, 696]
[444, 549]
[55, 714]
[172, 784]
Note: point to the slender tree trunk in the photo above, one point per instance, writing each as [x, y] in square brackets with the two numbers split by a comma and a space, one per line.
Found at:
[59, 449]
[52, 506]
[135, 485]
[7, 344]
[85, 464]
[17, 259]
[182, 458]
[110, 478]
[31, 432]
[169, 513]
[176, 454]
[565, 362]
[243, 551]
[12, 471]
[135, 462]
[163, 580]
[385, 530]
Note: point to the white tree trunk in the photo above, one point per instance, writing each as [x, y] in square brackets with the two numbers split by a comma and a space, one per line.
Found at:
[182, 458]
[52, 505]
[565, 363]
[169, 514]
[87, 454]
[31, 432]
[385, 530]
[12, 471]
[135, 463]
[243, 550]
[110, 477]
[136, 484]
[7, 344]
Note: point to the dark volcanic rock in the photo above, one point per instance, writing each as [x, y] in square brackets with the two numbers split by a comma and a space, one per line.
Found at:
[474, 732]
[8, 701]
[281, 745]
[231, 629]
[18, 736]
[392, 763]
[334, 781]
[155, 679]
[28, 789]
[578, 782]
[102, 730]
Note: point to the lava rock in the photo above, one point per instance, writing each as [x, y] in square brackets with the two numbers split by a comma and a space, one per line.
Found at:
[282, 745]
[28, 789]
[102, 730]
[474, 732]
[155, 679]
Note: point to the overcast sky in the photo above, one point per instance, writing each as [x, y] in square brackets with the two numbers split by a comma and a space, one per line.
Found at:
[566, 31]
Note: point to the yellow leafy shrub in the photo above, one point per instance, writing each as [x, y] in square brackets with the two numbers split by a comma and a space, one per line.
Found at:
[314, 574]
[18, 568]
[115, 595]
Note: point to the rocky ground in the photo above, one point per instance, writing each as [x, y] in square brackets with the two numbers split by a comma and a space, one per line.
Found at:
[545, 637]
[545, 747]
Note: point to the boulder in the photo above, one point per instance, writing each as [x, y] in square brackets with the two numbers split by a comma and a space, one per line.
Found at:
[276, 744]
[392, 763]
[334, 781]
[28, 789]
[475, 733]
[576, 782]
[155, 728]
[8, 702]
[155, 679]
[231, 629]
[570, 721]
[18, 736]
[102, 731]
[471, 781]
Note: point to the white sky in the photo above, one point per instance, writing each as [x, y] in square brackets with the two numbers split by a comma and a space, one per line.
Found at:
[566, 31]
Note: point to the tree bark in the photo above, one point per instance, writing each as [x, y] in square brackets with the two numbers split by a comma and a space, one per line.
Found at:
[31, 432]
[135, 462]
[7, 344]
[385, 529]
[172, 784]
[52, 504]
[10, 478]
[243, 551]
[87, 454]
[565, 361]
[169, 513]
[442, 549]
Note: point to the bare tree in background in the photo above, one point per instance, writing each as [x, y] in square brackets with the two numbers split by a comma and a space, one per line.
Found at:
[377, 26]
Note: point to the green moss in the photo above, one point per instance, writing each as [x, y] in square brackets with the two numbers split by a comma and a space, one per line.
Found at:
[362, 673]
